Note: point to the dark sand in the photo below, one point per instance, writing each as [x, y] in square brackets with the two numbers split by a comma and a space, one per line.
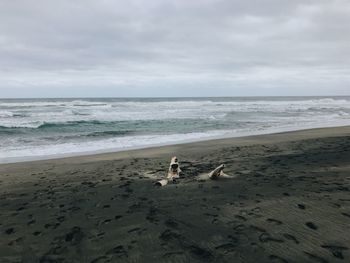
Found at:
[289, 202]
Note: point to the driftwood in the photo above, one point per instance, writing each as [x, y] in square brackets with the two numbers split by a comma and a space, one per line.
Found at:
[174, 169]
[162, 182]
[218, 171]
[173, 173]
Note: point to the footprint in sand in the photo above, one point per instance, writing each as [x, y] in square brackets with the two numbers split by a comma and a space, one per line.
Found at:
[315, 257]
[106, 221]
[226, 248]
[266, 237]
[117, 217]
[241, 217]
[196, 251]
[152, 215]
[118, 252]
[169, 235]
[256, 228]
[75, 235]
[171, 223]
[137, 230]
[10, 231]
[16, 241]
[53, 226]
[31, 222]
[274, 221]
[337, 251]
[301, 206]
[291, 237]
[346, 214]
[60, 219]
[275, 258]
[37, 233]
[175, 256]
[311, 225]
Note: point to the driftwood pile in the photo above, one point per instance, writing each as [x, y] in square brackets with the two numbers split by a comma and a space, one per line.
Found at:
[174, 172]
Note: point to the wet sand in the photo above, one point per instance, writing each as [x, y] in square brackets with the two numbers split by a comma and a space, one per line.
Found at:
[289, 201]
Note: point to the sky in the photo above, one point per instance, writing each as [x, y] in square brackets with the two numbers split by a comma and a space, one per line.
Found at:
[161, 48]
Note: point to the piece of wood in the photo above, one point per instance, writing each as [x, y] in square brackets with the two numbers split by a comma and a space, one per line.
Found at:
[162, 182]
[174, 169]
[173, 172]
[218, 171]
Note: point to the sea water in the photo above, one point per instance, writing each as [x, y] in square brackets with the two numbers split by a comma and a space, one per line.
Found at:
[46, 128]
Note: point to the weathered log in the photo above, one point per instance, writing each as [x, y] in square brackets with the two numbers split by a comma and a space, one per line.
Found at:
[218, 171]
[162, 182]
[174, 169]
[173, 172]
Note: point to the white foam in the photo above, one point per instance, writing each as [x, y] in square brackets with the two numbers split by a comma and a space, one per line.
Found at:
[5, 114]
[13, 153]
[81, 110]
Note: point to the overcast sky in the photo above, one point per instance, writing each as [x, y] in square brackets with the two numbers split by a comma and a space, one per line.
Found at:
[75, 48]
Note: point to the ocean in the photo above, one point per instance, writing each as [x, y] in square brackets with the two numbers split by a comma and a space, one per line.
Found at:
[32, 129]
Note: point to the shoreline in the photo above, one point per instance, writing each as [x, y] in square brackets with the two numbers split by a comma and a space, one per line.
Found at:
[27, 159]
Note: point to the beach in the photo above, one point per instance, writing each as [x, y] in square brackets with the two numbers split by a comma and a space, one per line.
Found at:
[288, 201]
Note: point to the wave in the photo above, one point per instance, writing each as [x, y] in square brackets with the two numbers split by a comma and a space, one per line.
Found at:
[99, 102]
[6, 114]
[109, 133]
[8, 131]
[10, 114]
[47, 125]
[68, 103]
[104, 144]
[330, 100]
[172, 103]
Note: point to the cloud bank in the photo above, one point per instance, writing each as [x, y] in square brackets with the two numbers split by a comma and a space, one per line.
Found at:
[174, 48]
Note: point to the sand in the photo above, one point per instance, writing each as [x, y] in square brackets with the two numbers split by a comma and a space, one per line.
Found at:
[289, 201]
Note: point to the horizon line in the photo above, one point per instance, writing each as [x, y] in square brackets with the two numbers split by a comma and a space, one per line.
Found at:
[176, 97]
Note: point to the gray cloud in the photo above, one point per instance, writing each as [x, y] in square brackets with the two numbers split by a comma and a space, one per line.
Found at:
[207, 47]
